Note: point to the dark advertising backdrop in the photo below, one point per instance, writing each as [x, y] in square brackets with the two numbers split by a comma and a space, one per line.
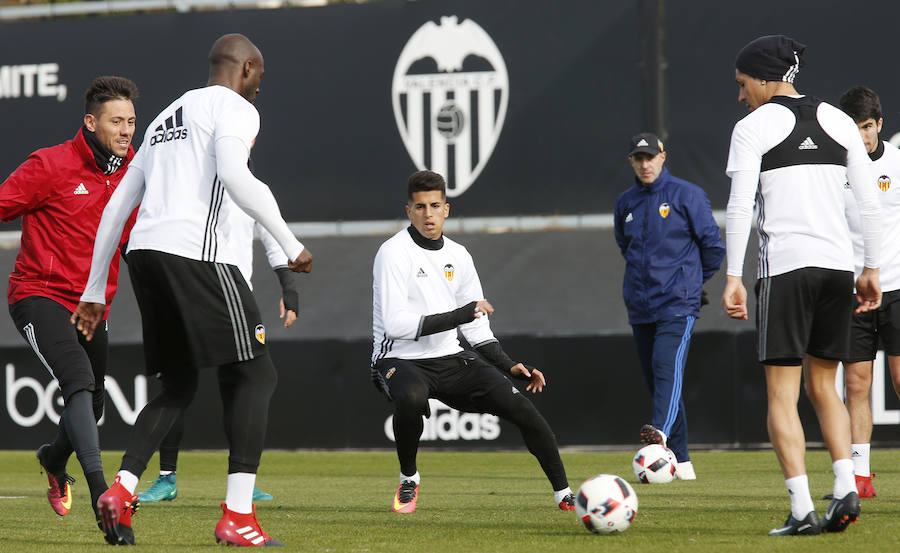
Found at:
[533, 100]
[324, 398]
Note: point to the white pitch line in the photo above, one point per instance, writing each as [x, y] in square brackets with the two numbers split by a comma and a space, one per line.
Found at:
[13, 497]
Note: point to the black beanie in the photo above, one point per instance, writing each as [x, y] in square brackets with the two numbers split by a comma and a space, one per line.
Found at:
[771, 58]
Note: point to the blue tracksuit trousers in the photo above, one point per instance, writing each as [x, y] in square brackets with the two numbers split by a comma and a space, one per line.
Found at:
[662, 348]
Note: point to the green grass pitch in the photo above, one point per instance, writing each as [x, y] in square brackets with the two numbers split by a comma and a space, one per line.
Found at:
[468, 502]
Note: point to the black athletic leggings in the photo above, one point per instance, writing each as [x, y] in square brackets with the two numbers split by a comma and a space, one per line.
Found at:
[77, 365]
[245, 388]
[409, 389]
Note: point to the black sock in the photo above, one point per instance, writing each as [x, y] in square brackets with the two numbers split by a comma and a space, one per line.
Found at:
[97, 484]
[81, 428]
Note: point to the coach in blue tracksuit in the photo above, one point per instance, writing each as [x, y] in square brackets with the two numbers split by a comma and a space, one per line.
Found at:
[665, 229]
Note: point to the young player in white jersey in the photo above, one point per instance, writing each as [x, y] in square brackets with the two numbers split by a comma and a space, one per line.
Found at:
[794, 154]
[196, 307]
[866, 329]
[425, 287]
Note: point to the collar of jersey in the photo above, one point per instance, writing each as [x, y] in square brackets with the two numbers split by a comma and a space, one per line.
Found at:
[879, 151]
[655, 185]
[423, 242]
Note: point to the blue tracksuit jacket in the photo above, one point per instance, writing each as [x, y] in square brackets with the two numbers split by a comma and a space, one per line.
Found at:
[671, 245]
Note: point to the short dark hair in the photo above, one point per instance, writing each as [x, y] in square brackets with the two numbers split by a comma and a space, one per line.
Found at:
[861, 103]
[104, 89]
[424, 181]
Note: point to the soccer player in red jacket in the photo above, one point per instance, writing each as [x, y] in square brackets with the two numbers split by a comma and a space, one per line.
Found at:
[60, 192]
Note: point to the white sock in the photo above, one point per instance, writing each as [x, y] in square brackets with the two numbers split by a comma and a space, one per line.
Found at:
[166, 472]
[558, 496]
[239, 495]
[128, 479]
[860, 459]
[415, 478]
[801, 500]
[844, 482]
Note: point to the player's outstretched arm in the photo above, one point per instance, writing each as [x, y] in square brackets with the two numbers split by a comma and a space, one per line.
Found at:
[440, 322]
[254, 197]
[493, 352]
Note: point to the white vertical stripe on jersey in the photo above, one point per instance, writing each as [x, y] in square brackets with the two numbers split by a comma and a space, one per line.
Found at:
[210, 242]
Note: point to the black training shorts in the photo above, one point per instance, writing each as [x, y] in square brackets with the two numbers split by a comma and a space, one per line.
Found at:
[806, 311]
[460, 380]
[867, 328]
[194, 313]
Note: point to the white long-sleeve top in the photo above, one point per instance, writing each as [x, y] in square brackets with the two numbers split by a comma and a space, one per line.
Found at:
[410, 282]
[800, 205]
[188, 176]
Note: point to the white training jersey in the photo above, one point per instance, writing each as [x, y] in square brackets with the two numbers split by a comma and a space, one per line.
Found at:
[244, 228]
[410, 282]
[802, 149]
[185, 208]
[885, 178]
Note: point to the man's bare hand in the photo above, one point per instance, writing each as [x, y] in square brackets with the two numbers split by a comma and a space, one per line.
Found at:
[289, 315]
[537, 377]
[868, 290]
[734, 298]
[303, 263]
[483, 307]
[87, 316]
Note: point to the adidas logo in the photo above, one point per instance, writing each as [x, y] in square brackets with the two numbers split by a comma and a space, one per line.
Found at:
[629, 218]
[81, 189]
[642, 143]
[250, 534]
[172, 129]
[421, 273]
[808, 144]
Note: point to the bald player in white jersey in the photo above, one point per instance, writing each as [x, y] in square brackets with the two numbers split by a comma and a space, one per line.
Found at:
[196, 307]
[164, 487]
[794, 154]
[424, 287]
[883, 325]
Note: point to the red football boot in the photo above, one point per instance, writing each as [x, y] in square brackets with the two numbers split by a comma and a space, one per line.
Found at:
[114, 509]
[59, 493]
[242, 529]
[406, 497]
[863, 486]
[568, 503]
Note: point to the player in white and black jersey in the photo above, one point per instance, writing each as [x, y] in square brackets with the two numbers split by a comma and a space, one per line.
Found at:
[164, 487]
[867, 329]
[196, 307]
[426, 287]
[794, 154]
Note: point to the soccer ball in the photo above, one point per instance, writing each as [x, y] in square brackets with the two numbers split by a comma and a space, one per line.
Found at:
[606, 504]
[654, 464]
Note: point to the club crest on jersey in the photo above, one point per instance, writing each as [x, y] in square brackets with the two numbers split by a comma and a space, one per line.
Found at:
[449, 269]
[261, 334]
[449, 93]
[884, 182]
[664, 210]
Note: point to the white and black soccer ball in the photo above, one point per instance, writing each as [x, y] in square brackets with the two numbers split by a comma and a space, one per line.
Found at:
[606, 504]
[654, 464]
[450, 120]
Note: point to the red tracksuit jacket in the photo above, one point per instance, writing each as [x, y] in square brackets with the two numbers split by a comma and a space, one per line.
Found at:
[60, 194]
